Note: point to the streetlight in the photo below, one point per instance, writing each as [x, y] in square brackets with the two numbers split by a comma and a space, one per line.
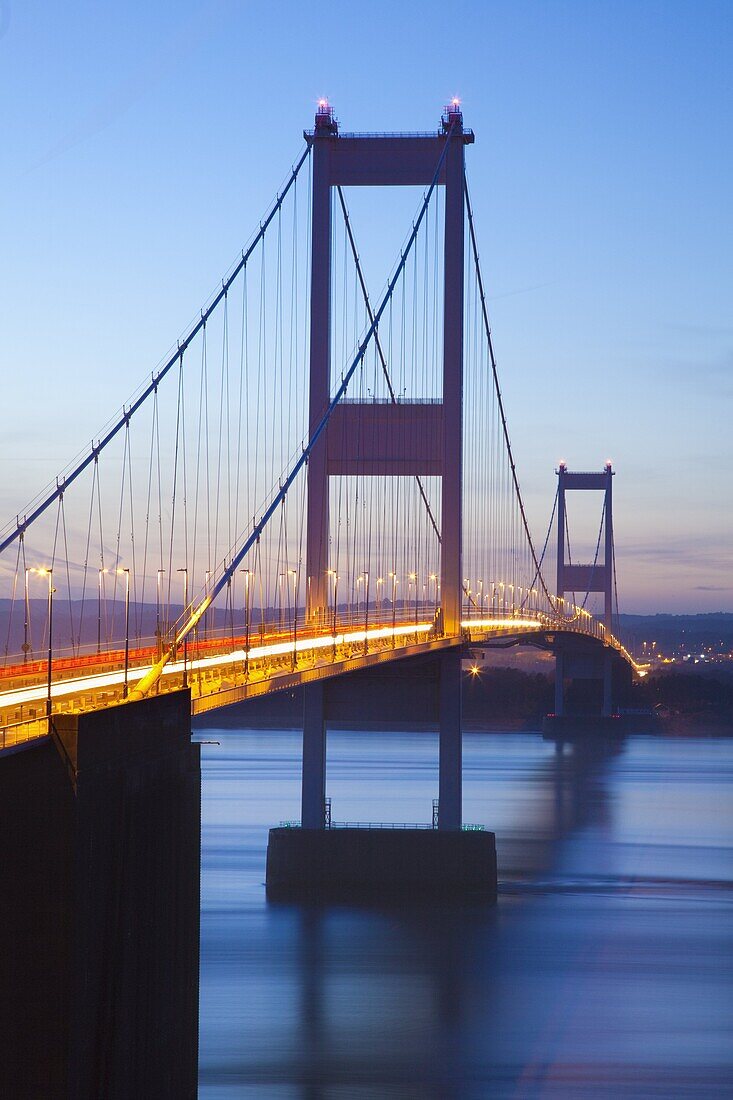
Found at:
[365, 574]
[159, 636]
[334, 574]
[393, 575]
[27, 619]
[247, 575]
[380, 581]
[280, 602]
[185, 638]
[294, 575]
[412, 579]
[206, 613]
[126, 572]
[230, 601]
[49, 669]
[99, 611]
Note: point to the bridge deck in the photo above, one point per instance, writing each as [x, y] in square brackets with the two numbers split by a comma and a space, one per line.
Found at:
[223, 670]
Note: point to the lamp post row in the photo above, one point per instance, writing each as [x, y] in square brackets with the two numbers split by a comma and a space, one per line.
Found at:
[125, 571]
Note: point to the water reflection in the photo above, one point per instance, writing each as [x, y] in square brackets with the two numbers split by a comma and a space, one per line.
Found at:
[602, 971]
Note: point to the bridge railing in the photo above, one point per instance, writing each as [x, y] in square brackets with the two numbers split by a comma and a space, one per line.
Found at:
[579, 621]
[14, 734]
[225, 658]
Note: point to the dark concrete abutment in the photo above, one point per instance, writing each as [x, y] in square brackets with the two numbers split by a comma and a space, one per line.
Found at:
[100, 835]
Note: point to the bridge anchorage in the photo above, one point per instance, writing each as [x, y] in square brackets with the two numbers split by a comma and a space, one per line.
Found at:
[313, 484]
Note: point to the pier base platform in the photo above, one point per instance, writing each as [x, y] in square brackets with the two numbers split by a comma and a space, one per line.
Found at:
[573, 727]
[380, 865]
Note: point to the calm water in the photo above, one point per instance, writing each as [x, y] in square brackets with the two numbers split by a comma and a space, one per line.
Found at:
[604, 971]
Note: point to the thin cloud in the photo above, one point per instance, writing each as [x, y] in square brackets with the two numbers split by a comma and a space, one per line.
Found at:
[519, 290]
[144, 77]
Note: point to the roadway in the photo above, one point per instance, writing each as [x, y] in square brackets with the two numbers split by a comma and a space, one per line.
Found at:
[227, 667]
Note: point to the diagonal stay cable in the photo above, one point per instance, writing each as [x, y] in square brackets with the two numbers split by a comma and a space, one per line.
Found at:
[63, 482]
[500, 400]
[181, 631]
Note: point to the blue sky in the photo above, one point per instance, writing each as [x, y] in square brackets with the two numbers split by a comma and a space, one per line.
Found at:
[142, 142]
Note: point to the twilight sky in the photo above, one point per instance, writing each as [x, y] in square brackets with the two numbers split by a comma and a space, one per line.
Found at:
[142, 142]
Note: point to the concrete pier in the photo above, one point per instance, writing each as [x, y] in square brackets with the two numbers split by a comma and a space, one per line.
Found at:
[450, 760]
[314, 861]
[572, 727]
[100, 840]
[380, 865]
[313, 795]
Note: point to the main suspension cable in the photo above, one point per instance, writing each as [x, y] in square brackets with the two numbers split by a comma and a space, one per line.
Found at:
[499, 398]
[64, 481]
[183, 630]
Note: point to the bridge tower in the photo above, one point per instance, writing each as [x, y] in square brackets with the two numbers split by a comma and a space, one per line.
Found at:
[376, 439]
[586, 578]
[373, 439]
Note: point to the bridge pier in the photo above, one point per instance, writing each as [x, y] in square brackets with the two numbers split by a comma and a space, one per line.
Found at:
[593, 710]
[559, 685]
[319, 861]
[313, 789]
[608, 708]
[450, 758]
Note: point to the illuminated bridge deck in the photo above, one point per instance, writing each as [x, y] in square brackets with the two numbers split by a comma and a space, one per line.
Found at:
[227, 669]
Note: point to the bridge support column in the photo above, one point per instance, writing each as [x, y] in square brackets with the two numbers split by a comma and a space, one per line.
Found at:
[559, 685]
[320, 378]
[313, 797]
[607, 710]
[380, 863]
[451, 585]
[450, 766]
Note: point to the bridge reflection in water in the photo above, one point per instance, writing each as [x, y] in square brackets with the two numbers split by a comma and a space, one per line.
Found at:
[602, 972]
[600, 969]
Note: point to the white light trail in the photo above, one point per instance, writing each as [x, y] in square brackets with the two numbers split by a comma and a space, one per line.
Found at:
[84, 684]
[493, 624]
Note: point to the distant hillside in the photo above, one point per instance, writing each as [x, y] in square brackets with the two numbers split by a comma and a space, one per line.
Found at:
[689, 633]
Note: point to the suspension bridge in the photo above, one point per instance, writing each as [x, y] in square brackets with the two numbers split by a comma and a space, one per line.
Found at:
[315, 479]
